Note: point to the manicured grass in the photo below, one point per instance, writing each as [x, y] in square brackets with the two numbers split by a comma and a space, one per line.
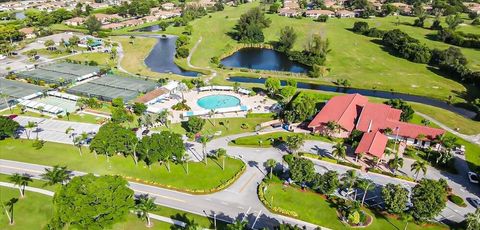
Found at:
[103, 59]
[228, 126]
[354, 57]
[201, 178]
[36, 183]
[269, 139]
[314, 208]
[35, 210]
[189, 217]
[31, 212]
[85, 118]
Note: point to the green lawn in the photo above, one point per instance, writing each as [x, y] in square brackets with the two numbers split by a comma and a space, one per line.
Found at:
[266, 139]
[354, 57]
[228, 126]
[103, 59]
[313, 208]
[200, 179]
[35, 210]
[86, 118]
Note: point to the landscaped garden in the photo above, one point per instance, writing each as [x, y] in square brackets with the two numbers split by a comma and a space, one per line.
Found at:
[200, 179]
[315, 208]
[272, 139]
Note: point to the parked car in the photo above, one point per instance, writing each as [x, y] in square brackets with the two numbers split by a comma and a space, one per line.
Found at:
[473, 177]
[145, 132]
[475, 202]
[13, 116]
[135, 129]
[2, 57]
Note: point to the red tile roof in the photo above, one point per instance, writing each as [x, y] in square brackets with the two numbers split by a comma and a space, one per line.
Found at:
[341, 109]
[373, 143]
[380, 116]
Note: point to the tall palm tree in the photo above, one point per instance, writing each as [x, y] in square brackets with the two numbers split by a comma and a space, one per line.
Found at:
[349, 179]
[56, 175]
[418, 166]
[29, 126]
[78, 141]
[5, 98]
[21, 180]
[339, 150]
[271, 163]
[8, 208]
[144, 205]
[221, 153]
[163, 117]
[186, 159]
[395, 163]
[473, 220]
[204, 140]
[237, 225]
[365, 185]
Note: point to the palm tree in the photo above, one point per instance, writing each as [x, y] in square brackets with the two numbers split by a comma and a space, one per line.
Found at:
[473, 220]
[395, 163]
[21, 180]
[5, 98]
[8, 208]
[332, 127]
[339, 150]
[144, 205]
[294, 142]
[78, 141]
[56, 175]
[221, 153]
[211, 113]
[237, 225]
[271, 163]
[182, 87]
[418, 166]
[132, 39]
[204, 140]
[163, 117]
[186, 159]
[29, 126]
[365, 185]
[349, 179]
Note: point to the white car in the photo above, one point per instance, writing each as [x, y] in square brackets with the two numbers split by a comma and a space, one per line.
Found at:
[2, 56]
[473, 177]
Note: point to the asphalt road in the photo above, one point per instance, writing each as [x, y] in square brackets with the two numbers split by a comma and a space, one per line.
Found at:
[240, 201]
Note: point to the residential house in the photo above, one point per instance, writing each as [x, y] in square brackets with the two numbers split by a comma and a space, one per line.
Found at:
[149, 18]
[108, 18]
[345, 14]
[317, 13]
[472, 7]
[343, 114]
[289, 12]
[29, 32]
[403, 8]
[76, 21]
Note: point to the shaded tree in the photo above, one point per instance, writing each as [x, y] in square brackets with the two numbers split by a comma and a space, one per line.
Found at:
[395, 198]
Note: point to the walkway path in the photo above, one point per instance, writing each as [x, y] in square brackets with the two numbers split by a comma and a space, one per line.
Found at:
[240, 200]
[471, 138]
[50, 193]
[214, 72]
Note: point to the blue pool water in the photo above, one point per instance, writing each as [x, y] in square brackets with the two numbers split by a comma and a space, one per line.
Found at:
[218, 101]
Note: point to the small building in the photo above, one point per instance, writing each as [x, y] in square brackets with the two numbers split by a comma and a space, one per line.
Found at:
[29, 32]
[107, 18]
[289, 12]
[373, 144]
[149, 18]
[112, 26]
[76, 21]
[317, 13]
[345, 14]
[154, 96]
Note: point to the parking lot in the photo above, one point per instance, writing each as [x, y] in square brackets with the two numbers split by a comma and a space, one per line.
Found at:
[55, 130]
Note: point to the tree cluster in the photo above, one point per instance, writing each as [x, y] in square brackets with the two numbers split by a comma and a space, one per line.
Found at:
[136, 7]
[300, 108]
[42, 18]
[407, 111]
[249, 28]
[8, 127]
[163, 147]
[406, 46]
[315, 52]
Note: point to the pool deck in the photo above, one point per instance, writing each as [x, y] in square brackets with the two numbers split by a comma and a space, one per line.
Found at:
[257, 103]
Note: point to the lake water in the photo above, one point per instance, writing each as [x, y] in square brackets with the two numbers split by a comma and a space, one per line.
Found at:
[152, 28]
[366, 92]
[263, 59]
[20, 15]
[161, 58]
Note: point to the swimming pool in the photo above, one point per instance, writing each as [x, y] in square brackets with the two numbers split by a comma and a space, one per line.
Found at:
[218, 101]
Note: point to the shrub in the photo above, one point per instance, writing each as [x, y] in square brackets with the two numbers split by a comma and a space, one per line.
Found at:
[182, 52]
[322, 18]
[457, 200]
[360, 27]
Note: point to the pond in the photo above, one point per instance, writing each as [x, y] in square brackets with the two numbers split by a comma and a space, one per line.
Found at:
[161, 58]
[152, 28]
[20, 15]
[367, 92]
[263, 59]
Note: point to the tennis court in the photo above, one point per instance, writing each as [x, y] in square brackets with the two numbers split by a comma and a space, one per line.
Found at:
[60, 73]
[65, 104]
[111, 86]
[15, 90]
